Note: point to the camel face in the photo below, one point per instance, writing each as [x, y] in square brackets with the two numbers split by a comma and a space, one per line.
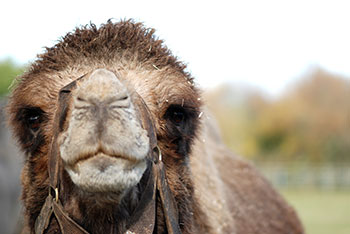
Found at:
[104, 146]
[132, 96]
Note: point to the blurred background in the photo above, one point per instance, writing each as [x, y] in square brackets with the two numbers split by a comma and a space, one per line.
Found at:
[275, 74]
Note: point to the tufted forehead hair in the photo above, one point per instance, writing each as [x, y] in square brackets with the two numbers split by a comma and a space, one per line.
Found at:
[125, 44]
[122, 46]
[111, 41]
[131, 51]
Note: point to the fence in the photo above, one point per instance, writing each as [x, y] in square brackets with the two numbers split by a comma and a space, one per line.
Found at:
[302, 174]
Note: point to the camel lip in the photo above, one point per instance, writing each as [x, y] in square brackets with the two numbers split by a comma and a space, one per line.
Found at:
[86, 157]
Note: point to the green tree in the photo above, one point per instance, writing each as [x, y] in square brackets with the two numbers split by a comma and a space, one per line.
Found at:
[8, 72]
[309, 122]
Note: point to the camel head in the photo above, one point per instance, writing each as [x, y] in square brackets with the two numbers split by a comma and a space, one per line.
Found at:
[119, 77]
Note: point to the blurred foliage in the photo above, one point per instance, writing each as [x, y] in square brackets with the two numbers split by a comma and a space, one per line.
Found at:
[8, 71]
[311, 121]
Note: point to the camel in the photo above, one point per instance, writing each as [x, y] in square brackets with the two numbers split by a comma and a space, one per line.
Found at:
[115, 136]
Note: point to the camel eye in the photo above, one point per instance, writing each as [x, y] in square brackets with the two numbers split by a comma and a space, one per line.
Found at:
[177, 115]
[34, 121]
[32, 118]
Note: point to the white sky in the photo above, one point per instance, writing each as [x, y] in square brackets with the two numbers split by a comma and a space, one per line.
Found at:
[267, 44]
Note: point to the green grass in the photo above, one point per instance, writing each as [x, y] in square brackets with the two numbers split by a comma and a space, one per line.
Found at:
[322, 212]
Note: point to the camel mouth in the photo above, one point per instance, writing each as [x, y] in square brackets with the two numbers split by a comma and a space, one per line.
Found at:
[103, 160]
[102, 154]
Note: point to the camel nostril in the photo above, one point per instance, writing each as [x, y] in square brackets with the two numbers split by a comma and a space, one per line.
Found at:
[124, 98]
[80, 99]
[120, 102]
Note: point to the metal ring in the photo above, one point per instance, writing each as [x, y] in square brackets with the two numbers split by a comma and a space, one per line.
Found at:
[159, 153]
[56, 194]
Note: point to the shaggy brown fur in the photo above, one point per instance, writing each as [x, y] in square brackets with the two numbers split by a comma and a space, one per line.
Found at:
[215, 191]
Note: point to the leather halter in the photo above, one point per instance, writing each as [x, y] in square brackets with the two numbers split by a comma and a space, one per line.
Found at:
[143, 220]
